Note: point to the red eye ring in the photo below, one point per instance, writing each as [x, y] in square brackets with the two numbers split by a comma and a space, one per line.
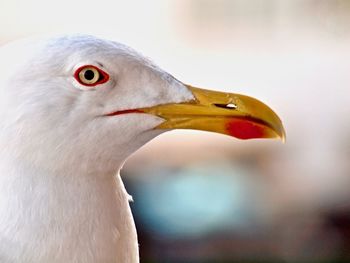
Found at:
[90, 75]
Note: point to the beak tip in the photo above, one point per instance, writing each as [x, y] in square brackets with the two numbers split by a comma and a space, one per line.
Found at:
[281, 134]
[283, 137]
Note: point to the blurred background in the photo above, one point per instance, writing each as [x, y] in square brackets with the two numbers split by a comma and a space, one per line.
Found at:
[202, 197]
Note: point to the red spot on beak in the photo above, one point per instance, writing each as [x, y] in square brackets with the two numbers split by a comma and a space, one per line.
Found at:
[245, 129]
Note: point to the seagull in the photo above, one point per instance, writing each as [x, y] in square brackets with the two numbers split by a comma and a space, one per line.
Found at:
[72, 109]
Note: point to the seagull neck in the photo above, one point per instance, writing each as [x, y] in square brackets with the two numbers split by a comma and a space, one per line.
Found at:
[69, 177]
[89, 213]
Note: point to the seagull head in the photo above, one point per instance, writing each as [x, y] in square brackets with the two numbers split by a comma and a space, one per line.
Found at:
[85, 99]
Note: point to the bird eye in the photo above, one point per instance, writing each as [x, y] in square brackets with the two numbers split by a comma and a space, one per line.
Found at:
[90, 75]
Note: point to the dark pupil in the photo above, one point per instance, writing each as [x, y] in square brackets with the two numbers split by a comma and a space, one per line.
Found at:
[89, 75]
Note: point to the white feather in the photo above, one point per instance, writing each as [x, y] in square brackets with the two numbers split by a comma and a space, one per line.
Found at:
[61, 196]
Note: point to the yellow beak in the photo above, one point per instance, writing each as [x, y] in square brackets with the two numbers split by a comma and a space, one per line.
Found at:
[237, 115]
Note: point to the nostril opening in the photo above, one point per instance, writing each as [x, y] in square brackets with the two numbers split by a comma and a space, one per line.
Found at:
[230, 106]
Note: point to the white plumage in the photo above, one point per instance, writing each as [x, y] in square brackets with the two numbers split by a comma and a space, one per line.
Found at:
[63, 142]
[61, 196]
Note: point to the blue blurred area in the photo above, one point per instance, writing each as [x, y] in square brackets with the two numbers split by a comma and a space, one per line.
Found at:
[194, 201]
[220, 211]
